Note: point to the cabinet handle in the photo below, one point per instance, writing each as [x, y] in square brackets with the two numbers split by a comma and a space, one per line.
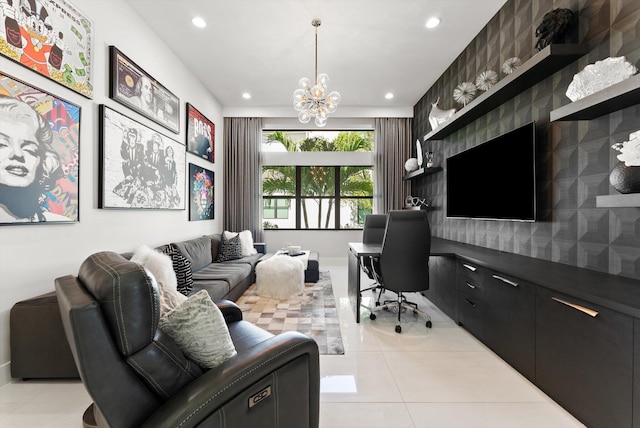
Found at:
[582, 309]
[471, 268]
[515, 284]
[471, 303]
[471, 286]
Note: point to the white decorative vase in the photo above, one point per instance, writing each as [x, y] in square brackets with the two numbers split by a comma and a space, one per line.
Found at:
[411, 164]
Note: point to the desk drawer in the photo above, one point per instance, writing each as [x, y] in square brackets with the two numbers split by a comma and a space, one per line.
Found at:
[471, 271]
[471, 313]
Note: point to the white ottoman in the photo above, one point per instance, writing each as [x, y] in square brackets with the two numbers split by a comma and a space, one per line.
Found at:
[279, 277]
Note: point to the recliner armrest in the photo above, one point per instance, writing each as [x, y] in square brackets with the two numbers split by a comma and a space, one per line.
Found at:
[230, 311]
[218, 386]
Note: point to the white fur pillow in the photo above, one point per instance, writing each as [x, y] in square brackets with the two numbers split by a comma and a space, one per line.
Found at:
[160, 267]
[198, 328]
[246, 240]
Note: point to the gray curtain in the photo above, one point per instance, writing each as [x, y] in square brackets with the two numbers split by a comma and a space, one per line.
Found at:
[392, 149]
[242, 182]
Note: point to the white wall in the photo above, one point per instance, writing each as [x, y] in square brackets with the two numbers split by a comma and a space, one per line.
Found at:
[32, 256]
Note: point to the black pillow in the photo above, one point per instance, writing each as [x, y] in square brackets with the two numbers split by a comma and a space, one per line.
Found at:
[230, 249]
[182, 268]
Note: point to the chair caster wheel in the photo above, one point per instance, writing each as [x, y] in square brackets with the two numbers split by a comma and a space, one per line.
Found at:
[398, 329]
[386, 309]
[372, 316]
[377, 303]
[429, 325]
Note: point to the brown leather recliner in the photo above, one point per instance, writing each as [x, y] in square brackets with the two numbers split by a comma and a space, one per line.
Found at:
[138, 377]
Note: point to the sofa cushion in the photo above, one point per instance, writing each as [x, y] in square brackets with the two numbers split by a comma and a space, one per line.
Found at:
[246, 240]
[233, 273]
[218, 289]
[199, 329]
[197, 250]
[231, 249]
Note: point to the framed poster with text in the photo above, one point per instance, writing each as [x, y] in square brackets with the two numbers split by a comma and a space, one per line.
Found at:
[135, 88]
[50, 37]
[200, 134]
[139, 167]
[39, 155]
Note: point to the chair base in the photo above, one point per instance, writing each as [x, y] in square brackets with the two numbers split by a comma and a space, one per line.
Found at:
[401, 305]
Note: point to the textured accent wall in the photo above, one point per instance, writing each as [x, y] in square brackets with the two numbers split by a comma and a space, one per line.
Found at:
[574, 158]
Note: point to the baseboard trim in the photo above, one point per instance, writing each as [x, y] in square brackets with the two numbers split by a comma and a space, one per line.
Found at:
[5, 373]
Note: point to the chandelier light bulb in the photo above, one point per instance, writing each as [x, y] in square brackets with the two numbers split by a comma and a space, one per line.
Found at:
[304, 116]
[305, 83]
[310, 100]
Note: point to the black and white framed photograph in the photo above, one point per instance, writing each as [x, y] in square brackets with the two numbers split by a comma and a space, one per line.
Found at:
[200, 134]
[39, 155]
[133, 87]
[139, 167]
[201, 199]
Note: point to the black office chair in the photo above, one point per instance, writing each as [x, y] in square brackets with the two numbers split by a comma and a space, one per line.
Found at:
[373, 233]
[403, 265]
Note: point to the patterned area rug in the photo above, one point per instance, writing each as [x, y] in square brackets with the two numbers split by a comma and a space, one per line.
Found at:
[313, 312]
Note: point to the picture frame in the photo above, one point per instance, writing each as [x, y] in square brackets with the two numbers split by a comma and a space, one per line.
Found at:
[201, 191]
[134, 88]
[140, 168]
[64, 51]
[40, 183]
[201, 134]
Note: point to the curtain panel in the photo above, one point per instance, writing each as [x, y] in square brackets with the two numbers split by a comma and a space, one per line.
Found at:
[392, 149]
[242, 174]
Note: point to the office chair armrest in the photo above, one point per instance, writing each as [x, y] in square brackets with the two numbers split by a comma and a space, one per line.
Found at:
[235, 380]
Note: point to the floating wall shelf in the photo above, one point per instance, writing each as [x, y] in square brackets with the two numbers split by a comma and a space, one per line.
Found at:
[541, 65]
[615, 97]
[611, 201]
[422, 172]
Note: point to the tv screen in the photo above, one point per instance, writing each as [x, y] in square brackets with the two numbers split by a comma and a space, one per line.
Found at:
[495, 180]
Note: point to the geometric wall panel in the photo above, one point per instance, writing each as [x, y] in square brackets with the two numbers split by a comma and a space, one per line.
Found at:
[576, 156]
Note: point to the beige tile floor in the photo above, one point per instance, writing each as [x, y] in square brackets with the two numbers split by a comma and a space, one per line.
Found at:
[423, 378]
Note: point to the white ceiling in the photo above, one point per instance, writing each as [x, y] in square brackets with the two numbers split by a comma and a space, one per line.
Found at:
[367, 47]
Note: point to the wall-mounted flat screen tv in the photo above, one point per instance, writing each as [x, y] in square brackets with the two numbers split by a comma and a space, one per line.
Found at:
[495, 180]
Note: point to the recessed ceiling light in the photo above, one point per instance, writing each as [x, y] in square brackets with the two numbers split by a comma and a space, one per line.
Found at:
[246, 96]
[199, 22]
[433, 22]
[389, 95]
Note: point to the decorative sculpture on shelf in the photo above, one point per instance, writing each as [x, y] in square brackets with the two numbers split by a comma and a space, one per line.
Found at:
[437, 116]
[464, 93]
[602, 74]
[511, 64]
[625, 176]
[553, 27]
[419, 151]
[415, 203]
[486, 80]
[411, 164]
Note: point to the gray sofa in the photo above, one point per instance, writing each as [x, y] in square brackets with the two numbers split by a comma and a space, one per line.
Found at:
[222, 280]
[39, 348]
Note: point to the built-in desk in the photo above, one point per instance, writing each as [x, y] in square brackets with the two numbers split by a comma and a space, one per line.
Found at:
[571, 331]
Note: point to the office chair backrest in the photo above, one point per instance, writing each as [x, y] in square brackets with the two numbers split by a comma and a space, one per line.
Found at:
[404, 261]
[374, 227]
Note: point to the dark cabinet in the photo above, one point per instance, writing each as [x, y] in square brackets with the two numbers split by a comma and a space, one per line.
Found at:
[471, 306]
[509, 321]
[636, 373]
[442, 290]
[584, 358]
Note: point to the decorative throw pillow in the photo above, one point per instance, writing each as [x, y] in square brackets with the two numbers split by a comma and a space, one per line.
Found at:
[246, 240]
[198, 328]
[181, 267]
[160, 267]
[230, 249]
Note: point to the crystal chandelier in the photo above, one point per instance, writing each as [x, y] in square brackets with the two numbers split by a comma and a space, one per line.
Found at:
[313, 101]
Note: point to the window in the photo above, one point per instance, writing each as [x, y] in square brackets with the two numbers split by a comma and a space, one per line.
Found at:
[319, 195]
